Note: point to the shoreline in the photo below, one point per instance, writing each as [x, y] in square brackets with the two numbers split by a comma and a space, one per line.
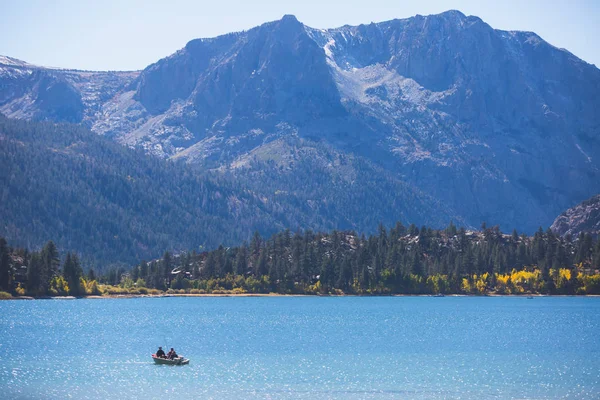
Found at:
[133, 296]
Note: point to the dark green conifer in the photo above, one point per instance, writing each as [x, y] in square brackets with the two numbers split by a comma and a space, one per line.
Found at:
[4, 266]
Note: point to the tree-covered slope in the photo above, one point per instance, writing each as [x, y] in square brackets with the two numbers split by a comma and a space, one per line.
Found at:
[399, 260]
[111, 203]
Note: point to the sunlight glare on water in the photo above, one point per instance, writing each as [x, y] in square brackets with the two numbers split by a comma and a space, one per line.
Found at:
[302, 348]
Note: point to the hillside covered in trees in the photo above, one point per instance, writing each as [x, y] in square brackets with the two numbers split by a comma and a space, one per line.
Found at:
[111, 203]
[403, 260]
[114, 204]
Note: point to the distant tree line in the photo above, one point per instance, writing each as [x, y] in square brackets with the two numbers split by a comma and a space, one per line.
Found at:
[41, 273]
[402, 260]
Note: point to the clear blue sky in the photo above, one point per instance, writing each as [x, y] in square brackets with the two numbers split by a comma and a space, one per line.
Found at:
[130, 34]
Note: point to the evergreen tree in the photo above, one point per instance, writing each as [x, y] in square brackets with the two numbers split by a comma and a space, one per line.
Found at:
[144, 270]
[135, 273]
[416, 265]
[241, 264]
[262, 267]
[326, 276]
[50, 263]
[35, 284]
[220, 262]
[515, 236]
[596, 256]
[4, 266]
[91, 275]
[451, 229]
[584, 248]
[255, 245]
[72, 272]
[167, 267]
[345, 279]
[209, 269]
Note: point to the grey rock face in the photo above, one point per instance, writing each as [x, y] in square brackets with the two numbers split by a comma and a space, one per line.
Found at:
[498, 126]
[583, 218]
[56, 99]
[32, 92]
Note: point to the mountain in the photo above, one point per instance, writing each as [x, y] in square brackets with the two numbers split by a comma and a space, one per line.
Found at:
[496, 126]
[108, 202]
[583, 218]
[112, 204]
[37, 93]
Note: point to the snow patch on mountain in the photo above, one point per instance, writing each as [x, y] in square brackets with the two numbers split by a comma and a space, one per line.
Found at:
[13, 62]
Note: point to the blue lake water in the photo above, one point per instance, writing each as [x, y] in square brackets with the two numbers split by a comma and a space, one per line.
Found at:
[302, 348]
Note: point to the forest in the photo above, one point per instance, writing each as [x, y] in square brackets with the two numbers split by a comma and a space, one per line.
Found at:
[113, 204]
[401, 260]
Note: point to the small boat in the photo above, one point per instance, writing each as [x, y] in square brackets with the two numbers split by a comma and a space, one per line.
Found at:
[529, 297]
[166, 361]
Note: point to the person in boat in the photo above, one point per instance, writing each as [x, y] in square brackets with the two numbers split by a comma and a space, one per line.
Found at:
[160, 353]
[172, 355]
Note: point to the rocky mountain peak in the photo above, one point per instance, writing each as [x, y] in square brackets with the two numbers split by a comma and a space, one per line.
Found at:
[290, 19]
[499, 125]
[455, 15]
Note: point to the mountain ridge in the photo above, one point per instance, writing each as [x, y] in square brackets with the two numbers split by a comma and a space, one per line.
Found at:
[12, 61]
[497, 125]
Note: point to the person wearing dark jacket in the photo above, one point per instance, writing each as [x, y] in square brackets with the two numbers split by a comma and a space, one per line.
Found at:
[160, 353]
[172, 355]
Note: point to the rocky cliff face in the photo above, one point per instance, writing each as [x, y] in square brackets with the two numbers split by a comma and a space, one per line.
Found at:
[498, 126]
[584, 217]
[38, 93]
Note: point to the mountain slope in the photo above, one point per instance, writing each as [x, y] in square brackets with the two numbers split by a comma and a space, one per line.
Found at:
[498, 126]
[582, 218]
[114, 204]
[110, 203]
[31, 92]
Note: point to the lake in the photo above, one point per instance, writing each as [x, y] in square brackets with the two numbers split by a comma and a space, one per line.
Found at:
[302, 348]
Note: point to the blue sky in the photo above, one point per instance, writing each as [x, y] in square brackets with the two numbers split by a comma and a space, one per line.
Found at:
[130, 34]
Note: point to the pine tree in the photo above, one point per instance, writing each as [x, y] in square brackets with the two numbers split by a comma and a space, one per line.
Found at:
[135, 273]
[584, 248]
[416, 267]
[514, 237]
[4, 266]
[35, 275]
[241, 264]
[228, 267]
[345, 279]
[255, 245]
[91, 275]
[50, 263]
[167, 267]
[208, 270]
[451, 229]
[144, 270]
[72, 273]
[220, 262]
[326, 276]
[596, 256]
